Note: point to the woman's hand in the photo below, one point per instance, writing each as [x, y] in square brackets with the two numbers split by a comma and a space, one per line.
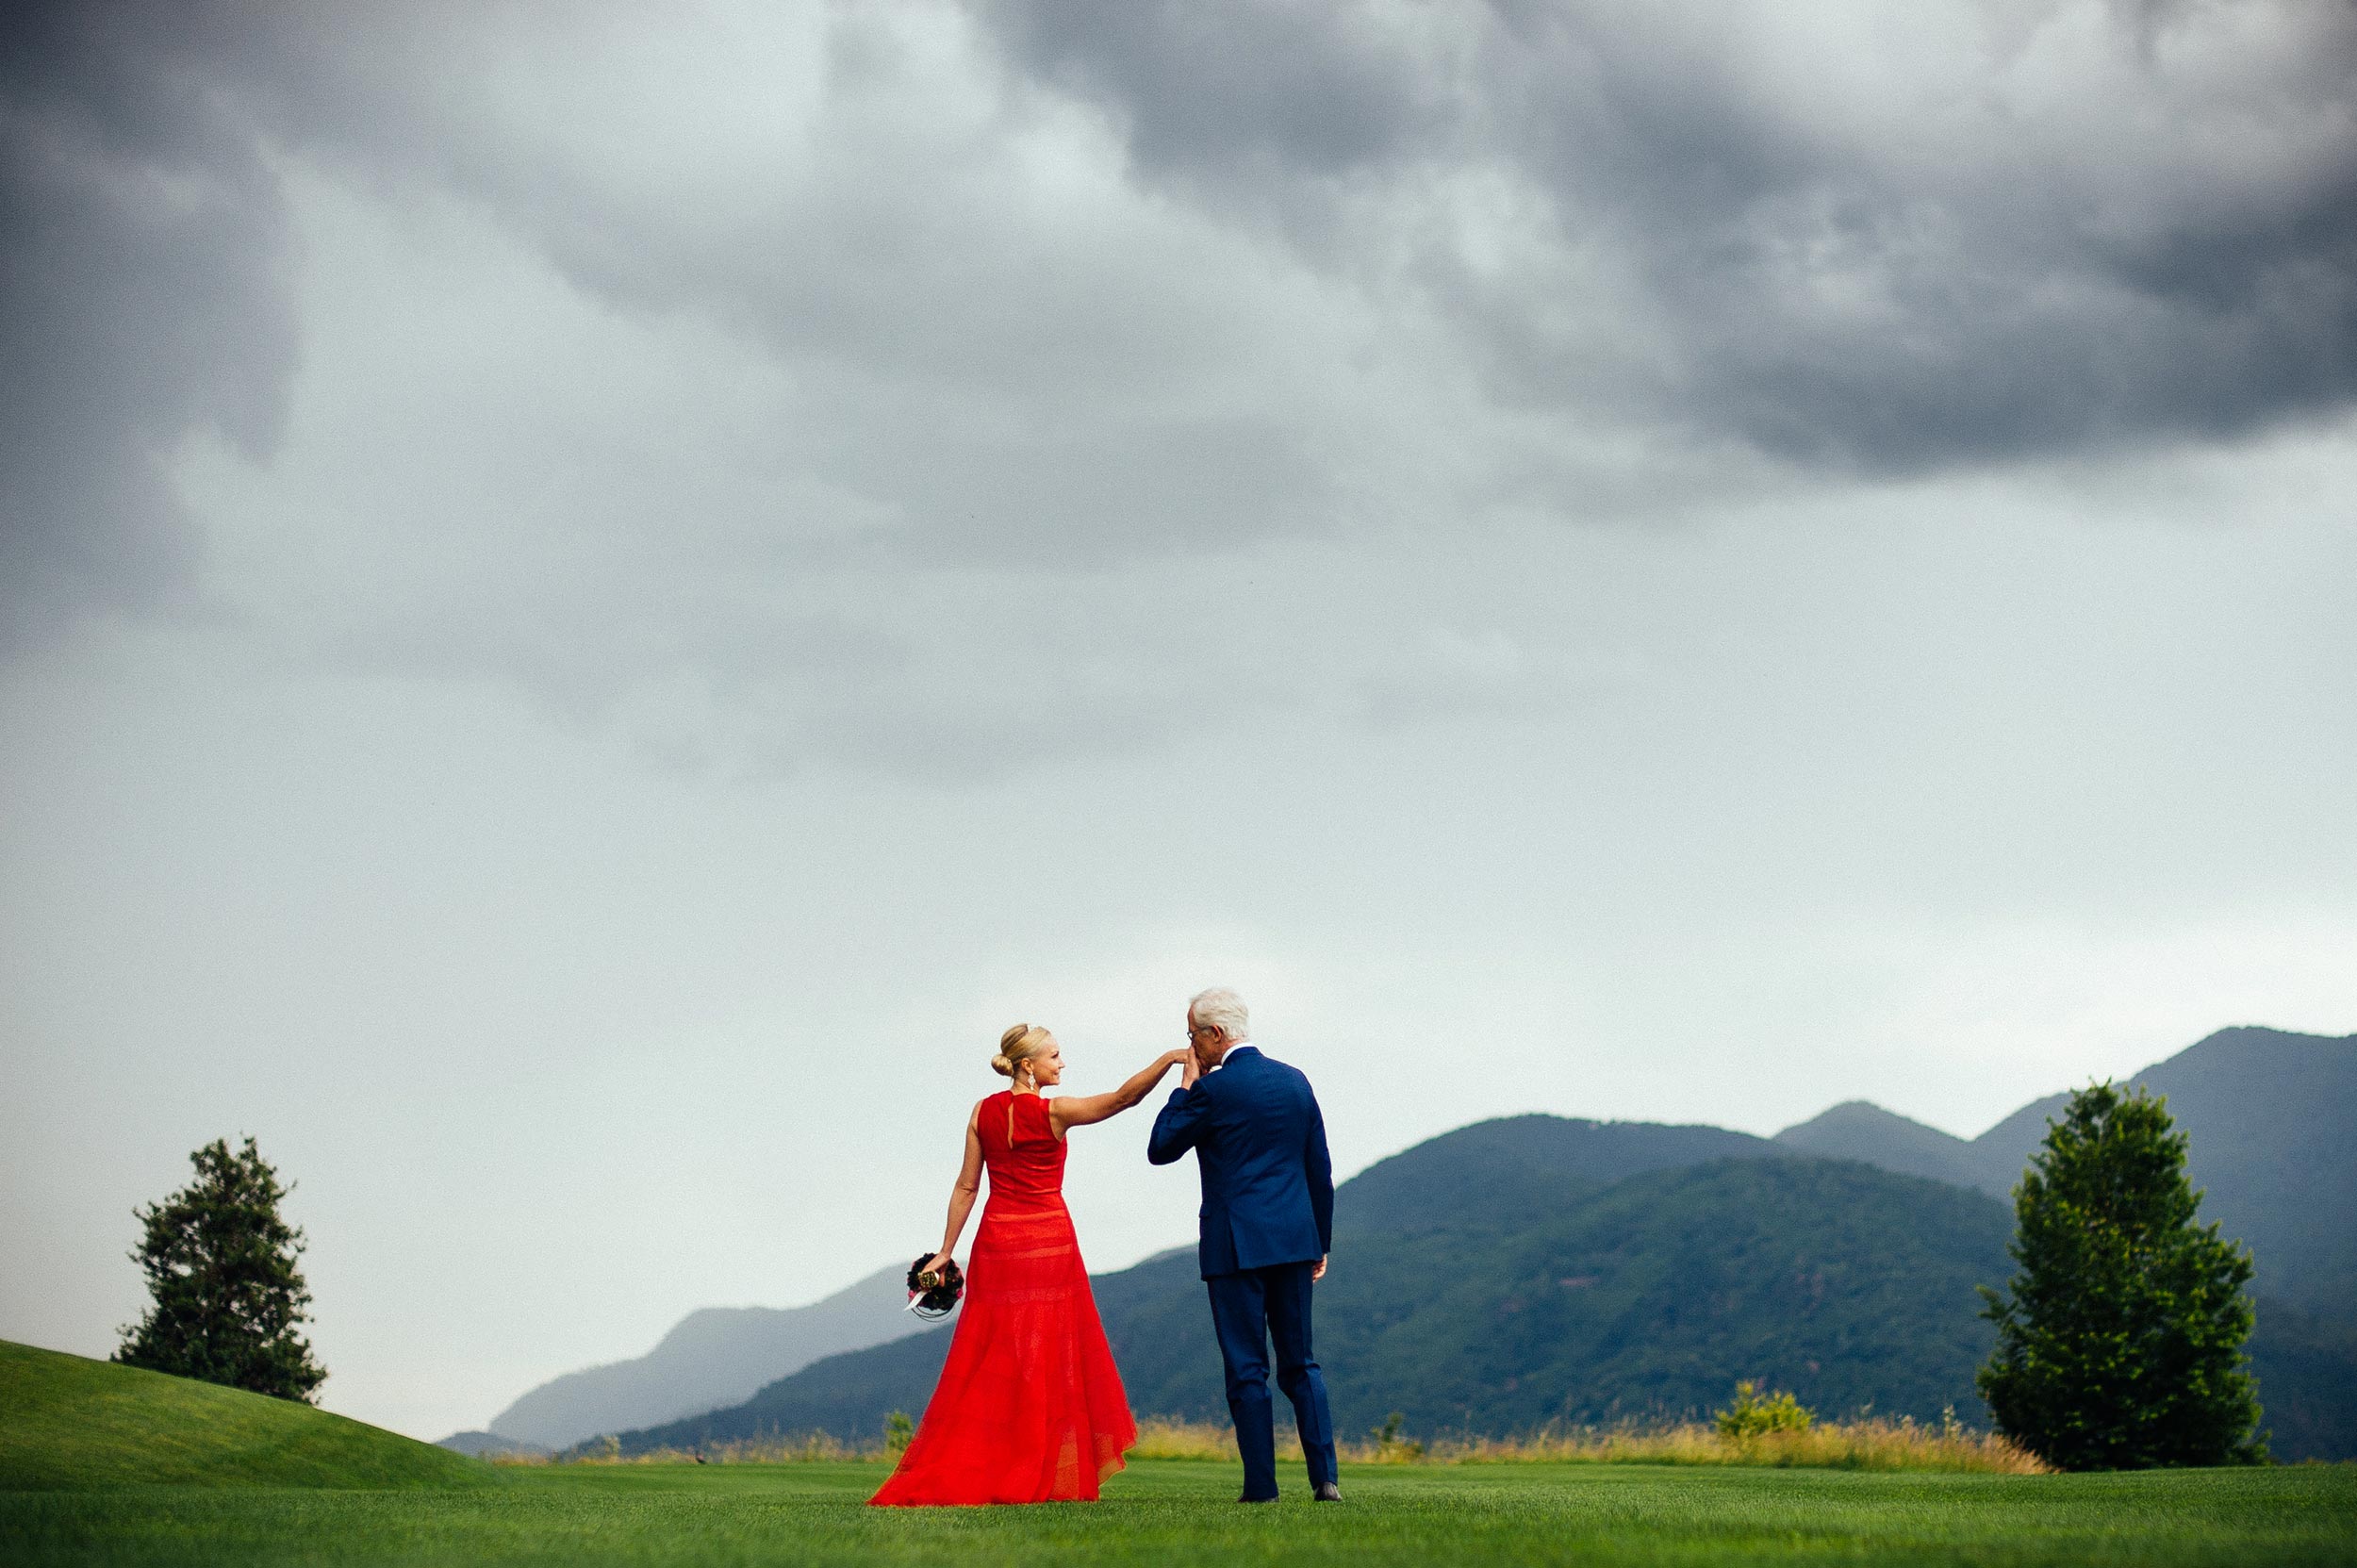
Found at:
[1066, 1111]
[936, 1263]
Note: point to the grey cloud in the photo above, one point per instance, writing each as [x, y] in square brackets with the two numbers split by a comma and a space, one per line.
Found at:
[1096, 493]
[1997, 232]
[1442, 674]
[990, 390]
[141, 238]
[1266, 88]
[982, 377]
[997, 369]
[1838, 296]
[1416, 266]
[983, 677]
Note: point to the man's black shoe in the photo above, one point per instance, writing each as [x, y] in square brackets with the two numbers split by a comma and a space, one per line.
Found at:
[1248, 1498]
[1329, 1493]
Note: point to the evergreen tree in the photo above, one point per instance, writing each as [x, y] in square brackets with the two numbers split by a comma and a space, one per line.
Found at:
[2120, 1346]
[221, 1268]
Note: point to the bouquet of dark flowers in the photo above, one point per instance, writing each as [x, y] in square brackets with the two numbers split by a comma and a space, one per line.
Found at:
[934, 1292]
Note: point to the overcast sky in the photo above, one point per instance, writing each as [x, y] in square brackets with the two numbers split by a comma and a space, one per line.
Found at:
[592, 598]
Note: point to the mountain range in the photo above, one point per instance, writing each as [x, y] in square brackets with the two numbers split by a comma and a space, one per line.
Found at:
[2269, 1115]
[1538, 1268]
[1640, 1297]
[715, 1357]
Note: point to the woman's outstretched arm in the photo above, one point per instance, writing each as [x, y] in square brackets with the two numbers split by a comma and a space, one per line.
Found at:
[1066, 1111]
[962, 1196]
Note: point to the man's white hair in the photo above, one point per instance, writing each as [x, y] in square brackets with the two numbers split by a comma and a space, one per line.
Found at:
[1222, 1008]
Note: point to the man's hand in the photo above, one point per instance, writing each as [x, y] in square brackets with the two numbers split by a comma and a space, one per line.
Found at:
[1190, 1070]
[1319, 1272]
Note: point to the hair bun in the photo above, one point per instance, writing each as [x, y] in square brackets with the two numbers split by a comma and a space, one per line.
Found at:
[1000, 1065]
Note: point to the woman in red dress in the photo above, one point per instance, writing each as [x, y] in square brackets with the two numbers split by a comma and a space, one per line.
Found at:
[1030, 1407]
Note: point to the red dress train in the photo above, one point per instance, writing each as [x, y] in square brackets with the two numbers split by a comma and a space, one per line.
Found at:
[1029, 1408]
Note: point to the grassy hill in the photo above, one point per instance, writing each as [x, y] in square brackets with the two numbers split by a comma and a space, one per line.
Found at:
[71, 1424]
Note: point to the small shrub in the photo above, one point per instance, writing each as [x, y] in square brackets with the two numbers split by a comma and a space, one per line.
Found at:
[1756, 1414]
[898, 1431]
[1391, 1448]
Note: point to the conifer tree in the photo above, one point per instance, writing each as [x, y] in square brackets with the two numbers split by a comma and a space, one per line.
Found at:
[227, 1298]
[2120, 1344]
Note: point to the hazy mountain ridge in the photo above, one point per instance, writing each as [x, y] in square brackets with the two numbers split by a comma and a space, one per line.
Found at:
[714, 1357]
[1523, 1166]
[1861, 1130]
[2270, 1115]
[479, 1444]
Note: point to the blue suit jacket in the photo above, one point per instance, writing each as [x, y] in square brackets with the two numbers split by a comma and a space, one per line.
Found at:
[1260, 1145]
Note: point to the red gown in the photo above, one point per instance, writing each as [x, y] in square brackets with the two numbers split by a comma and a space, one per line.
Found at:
[1029, 1408]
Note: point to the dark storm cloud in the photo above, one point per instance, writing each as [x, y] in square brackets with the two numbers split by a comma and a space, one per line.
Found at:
[139, 240]
[1969, 233]
[1000, 373]
[1090, 305]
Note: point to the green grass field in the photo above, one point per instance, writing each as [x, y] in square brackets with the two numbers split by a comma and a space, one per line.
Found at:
[1180, 1512]
[104, 1465]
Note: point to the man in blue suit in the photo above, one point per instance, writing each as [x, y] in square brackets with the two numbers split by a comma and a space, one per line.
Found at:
[1268, 1224]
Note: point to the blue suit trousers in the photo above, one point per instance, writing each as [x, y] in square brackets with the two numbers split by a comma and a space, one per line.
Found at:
[1251, 1308]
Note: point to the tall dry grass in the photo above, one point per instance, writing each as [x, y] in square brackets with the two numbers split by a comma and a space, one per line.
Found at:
[1866, 1443]
[816, 1446]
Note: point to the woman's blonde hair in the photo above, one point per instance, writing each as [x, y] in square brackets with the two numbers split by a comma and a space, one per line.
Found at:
[1017, 1044]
